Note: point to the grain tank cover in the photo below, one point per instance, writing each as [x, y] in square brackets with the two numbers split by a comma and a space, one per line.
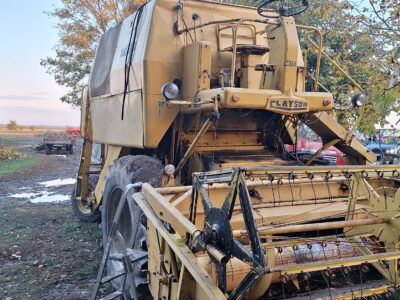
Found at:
[100, 75]
[122, 44]
[116, 84]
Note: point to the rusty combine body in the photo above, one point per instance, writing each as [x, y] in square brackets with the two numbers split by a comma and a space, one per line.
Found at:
[191, 104]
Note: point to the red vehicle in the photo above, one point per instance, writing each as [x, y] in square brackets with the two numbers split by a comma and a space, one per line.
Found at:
[306, 148]
[73, 132]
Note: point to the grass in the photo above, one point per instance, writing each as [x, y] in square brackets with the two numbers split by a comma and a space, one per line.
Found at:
[12, 141]
[71, 227]
[17, 165]
[85, 232]
[11, 160]
[88, 269]
[49, 262]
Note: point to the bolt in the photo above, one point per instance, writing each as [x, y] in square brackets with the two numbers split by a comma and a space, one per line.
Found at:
[214, 236]
[327, 101]
[365, 269]
[235, 97]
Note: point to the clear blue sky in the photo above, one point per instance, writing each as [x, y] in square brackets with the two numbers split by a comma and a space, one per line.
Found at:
[27, 93]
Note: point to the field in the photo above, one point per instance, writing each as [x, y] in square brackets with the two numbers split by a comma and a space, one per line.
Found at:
[24, 131]
[17, 165]
[45, 252]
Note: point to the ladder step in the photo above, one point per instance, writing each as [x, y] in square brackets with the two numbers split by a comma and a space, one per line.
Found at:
[113, 295]
[134, 255]
[112, 277]
[93, 172]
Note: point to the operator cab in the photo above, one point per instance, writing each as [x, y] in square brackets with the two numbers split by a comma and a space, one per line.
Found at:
[262, 56]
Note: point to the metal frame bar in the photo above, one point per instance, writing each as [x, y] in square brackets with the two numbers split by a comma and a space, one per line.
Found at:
[312, 227]
[336, 65]
[227, 21]
[192, 146]
[185, 255]
[168, 213]
[335, 263]
[319, 50]
[338, 172]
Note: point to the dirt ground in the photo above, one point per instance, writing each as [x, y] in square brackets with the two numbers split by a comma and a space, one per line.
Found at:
[45, 252]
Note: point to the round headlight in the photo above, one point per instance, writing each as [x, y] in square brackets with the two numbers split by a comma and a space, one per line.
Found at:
[170, 91]
[169, 170]
[358, 100]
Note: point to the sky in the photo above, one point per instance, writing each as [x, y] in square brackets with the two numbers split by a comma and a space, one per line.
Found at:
[27, 93]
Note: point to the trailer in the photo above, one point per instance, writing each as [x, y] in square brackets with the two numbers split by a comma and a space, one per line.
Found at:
[53, 146]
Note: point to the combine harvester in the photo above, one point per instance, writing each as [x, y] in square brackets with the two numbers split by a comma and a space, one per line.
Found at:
[193, 103]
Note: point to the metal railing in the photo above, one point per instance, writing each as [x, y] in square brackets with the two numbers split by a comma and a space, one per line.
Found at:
[320, 52]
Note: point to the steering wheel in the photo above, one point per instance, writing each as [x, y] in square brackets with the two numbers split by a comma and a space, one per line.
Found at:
[267, 9]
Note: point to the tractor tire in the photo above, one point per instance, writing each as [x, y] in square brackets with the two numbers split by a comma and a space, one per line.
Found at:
[83, 213]
[132, 223]
[47, 149]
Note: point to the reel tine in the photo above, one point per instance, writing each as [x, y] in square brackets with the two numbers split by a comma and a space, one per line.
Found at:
[205, 199]
[230, 199]
[239, 251]
[250, 223]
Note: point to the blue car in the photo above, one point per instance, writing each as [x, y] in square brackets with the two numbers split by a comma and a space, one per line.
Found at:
[386, 152]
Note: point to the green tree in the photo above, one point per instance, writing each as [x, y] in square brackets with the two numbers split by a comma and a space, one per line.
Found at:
[80, 24]
[364, 48]
[12, 125]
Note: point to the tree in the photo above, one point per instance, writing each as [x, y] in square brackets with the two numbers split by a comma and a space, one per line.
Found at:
[80, 24]
[12, 125]
[368, 52]
[362, 35]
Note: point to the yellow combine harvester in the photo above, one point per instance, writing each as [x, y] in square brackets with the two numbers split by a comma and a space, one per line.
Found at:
[191, 104]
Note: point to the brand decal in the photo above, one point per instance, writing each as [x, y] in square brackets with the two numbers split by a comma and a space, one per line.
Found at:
[289, 105]
[290, 63]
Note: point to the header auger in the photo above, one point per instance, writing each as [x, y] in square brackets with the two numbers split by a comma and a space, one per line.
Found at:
[189, 107]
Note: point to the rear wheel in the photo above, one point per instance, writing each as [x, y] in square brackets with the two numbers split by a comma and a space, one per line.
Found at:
[47, 149]
[132, 223]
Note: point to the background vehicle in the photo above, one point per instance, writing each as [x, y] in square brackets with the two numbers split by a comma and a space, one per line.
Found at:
[58, 142]
[306, 148]
[385, 145]
[193, 103]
